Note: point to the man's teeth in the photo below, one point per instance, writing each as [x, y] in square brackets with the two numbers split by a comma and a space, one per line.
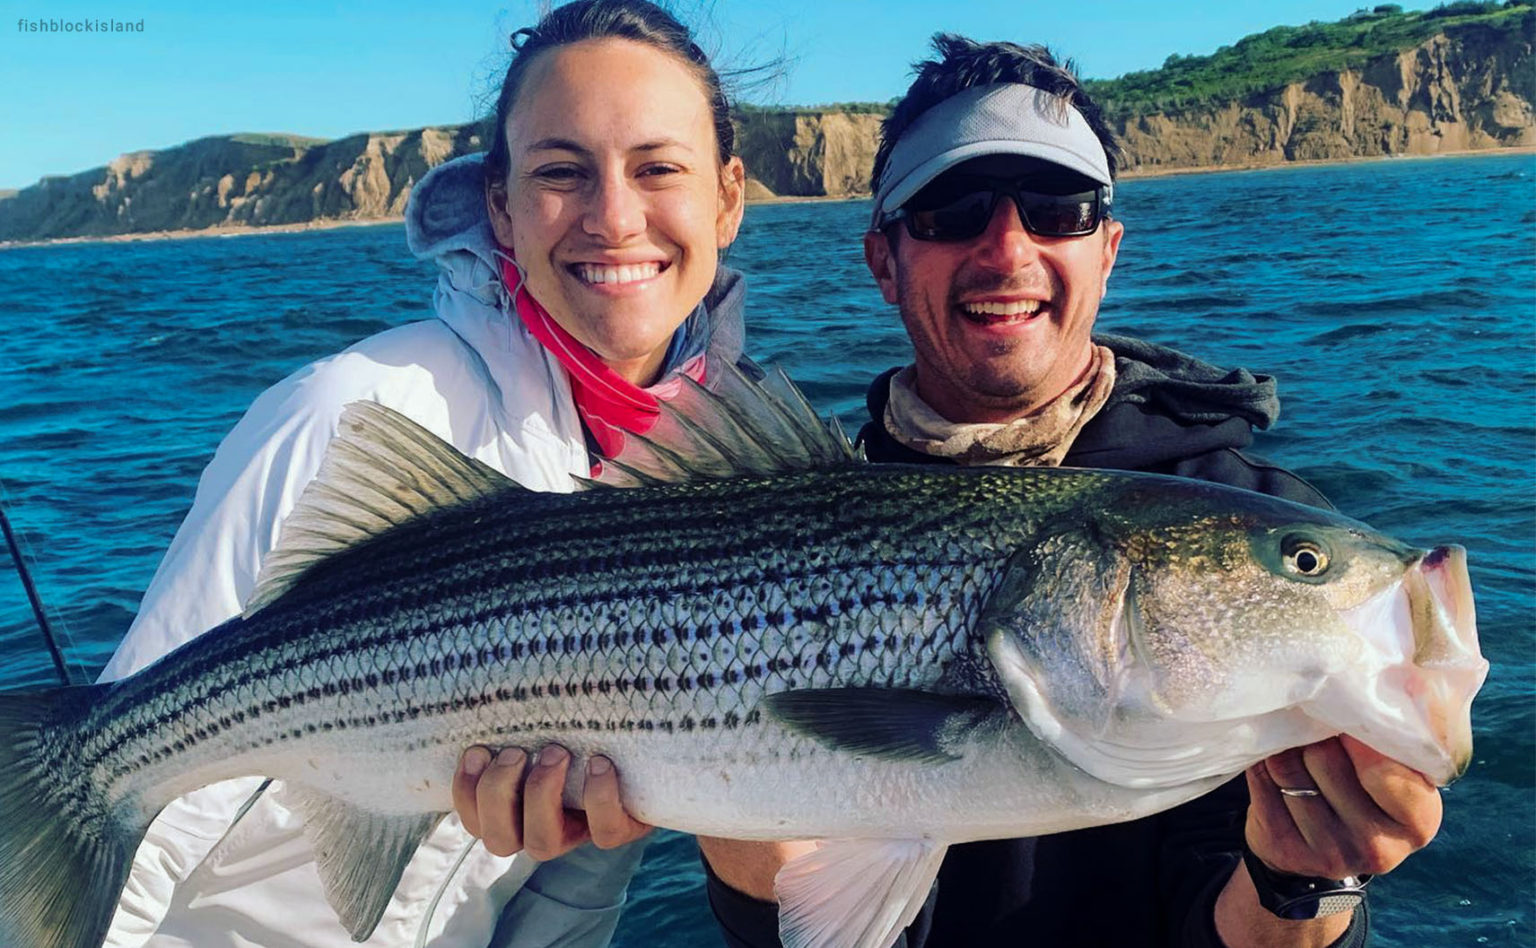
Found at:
[1010, 308]
[626, 274]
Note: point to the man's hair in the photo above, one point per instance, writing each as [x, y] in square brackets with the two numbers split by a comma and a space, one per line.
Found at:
[963, 63]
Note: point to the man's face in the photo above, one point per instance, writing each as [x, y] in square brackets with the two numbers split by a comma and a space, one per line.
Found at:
[1000, 323]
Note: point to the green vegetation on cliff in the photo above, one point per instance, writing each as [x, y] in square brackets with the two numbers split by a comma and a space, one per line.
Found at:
[1266, 61]
[1262, 62]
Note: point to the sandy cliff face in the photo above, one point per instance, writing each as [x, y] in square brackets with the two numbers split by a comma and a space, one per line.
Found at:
[809, 153]
[224, 181]
[1471, 88]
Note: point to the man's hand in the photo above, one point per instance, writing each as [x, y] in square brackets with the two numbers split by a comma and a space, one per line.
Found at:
[1369, 814]
[509, 813]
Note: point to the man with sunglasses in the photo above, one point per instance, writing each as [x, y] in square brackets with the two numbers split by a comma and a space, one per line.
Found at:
[992, 232]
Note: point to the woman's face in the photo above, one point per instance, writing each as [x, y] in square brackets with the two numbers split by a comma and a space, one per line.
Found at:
[615, 202]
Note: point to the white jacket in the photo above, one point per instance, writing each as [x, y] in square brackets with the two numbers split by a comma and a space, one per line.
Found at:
[477, 379]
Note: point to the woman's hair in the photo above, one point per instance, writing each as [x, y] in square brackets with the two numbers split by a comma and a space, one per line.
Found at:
[635, 20]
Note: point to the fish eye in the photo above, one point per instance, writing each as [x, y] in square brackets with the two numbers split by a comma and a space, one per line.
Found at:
[1303, 557]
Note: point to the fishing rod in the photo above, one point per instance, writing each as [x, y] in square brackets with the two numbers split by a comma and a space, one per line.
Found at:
[37, 603]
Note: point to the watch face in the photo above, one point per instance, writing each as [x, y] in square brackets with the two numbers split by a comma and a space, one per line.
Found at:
[1319, 905]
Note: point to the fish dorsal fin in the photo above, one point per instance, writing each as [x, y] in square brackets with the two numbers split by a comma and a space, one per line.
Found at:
[746, 421]
[360, 854]
[381, 470]
[855, 893]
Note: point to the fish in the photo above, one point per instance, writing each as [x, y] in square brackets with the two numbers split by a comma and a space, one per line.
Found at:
[771, 639]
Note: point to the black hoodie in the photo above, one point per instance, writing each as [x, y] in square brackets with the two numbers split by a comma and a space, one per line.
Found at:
[1149, 883]
[1167, 414]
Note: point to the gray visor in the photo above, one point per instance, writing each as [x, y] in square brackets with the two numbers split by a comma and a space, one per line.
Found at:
[1005, 119]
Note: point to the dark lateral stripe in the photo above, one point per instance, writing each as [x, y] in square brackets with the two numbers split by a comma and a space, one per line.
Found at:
[393, 640]
[494, 570]
[410, 712]
[366, 685]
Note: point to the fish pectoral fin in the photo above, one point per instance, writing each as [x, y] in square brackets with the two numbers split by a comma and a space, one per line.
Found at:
[855, 893]
[890, 723]
[360, 854]
[381, 470]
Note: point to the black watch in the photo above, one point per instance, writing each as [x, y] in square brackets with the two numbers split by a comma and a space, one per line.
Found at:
[1302, 897]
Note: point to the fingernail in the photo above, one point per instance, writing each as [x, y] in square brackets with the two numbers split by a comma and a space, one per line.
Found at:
[552, 755]
[511, 757]
[598, 766]
[475, 760]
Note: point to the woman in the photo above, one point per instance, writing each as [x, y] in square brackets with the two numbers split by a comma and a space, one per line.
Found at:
[578, 277]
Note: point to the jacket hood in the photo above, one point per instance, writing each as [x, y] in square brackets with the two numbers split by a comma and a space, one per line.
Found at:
[1167, 406]
[1187, 389]
[446, 222]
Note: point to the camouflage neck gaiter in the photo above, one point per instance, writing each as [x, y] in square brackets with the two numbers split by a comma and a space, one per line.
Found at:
[1039, 439]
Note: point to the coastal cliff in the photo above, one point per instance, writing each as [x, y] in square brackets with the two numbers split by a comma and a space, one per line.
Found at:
[1468, 85]
[809, 154]
[1466, 89]
[235, 181]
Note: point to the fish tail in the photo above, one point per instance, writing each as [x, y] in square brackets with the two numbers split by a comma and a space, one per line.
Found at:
[64, 851]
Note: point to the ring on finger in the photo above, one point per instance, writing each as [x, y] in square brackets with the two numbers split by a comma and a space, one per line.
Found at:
[1301, 791]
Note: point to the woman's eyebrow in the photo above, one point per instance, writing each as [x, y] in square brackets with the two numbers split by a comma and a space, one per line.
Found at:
[565, 144]
[558, 144]
[660, 143]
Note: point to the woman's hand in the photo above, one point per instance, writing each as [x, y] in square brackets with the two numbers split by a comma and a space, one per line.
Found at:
[512, 806]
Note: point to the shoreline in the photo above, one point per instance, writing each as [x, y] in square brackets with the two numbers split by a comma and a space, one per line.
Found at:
[245, 230]
[1155, 172]
[218, 230]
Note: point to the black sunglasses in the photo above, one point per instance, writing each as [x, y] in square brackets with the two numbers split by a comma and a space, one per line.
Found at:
[960, 207]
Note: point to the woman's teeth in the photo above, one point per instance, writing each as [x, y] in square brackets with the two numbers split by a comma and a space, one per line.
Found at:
[632, 273]
[1010, 308]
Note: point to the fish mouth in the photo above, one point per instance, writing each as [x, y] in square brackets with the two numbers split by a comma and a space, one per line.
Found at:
[1448, 653]
[1418, 707]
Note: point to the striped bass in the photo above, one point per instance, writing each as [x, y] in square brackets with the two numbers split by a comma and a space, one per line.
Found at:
[769, 638]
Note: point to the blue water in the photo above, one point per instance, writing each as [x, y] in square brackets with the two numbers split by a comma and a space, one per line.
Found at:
[1396, 302]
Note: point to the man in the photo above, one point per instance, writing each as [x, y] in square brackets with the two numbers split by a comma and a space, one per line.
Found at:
[992, 233]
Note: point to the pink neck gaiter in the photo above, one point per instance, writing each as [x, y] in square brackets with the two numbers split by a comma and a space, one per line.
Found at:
[608, 403]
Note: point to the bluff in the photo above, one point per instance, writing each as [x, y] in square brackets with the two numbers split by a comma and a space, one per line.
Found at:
[1469, 87]
[235, 181]
[1378, 83]
[803, 153]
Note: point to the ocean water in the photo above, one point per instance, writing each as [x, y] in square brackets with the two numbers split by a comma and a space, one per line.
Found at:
[1395, 301]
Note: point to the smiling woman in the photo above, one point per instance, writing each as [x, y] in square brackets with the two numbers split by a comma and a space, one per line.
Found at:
[578, 278]
[612, 183]
[614, 216]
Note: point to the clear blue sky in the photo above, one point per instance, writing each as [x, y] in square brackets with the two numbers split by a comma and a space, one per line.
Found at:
[74, 101]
